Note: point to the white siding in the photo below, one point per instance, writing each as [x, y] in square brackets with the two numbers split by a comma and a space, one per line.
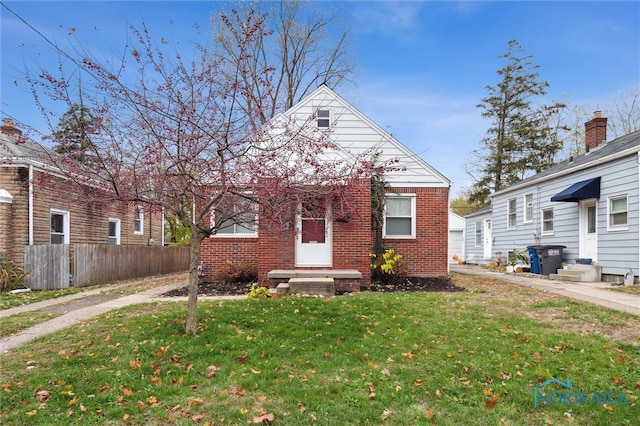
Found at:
[357, 135]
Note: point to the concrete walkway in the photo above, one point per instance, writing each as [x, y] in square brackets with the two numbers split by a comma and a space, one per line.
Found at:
[598, 293]
[82, 306]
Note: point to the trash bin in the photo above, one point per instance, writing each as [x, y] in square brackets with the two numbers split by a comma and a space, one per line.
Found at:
[550, 258]
[533, 257]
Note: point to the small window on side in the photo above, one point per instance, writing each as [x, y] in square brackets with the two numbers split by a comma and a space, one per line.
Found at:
[324, 118]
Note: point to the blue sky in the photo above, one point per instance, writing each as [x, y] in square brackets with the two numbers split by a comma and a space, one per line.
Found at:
[422, 66]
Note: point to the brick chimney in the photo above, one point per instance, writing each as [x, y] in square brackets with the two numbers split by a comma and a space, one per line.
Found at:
[10, 129]
[595, 131]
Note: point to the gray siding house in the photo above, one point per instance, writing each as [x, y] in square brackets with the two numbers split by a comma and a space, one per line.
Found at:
[478, 247]
[588, 203]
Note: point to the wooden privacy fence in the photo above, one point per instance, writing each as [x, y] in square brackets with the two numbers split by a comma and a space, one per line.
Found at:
[48, 266]
[99, 263]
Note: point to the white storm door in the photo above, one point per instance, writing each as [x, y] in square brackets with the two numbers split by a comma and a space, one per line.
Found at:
[313, 240]
[488, 241]
[589, 229]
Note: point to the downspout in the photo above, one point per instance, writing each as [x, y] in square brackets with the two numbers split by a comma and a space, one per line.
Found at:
[162, 227]
[30, 205]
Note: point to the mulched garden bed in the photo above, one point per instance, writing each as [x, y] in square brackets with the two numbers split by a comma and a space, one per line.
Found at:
[410, 284]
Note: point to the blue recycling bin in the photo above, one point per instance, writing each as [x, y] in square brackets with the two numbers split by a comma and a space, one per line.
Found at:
[535, 262]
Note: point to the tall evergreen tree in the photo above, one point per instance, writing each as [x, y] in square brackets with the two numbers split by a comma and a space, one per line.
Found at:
[523, 137]
[72, 137]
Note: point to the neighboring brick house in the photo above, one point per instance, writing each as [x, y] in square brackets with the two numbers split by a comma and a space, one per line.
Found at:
[416, 216]
[35, 209]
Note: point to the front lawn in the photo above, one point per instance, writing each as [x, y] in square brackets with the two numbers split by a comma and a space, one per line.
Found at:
[468, 357]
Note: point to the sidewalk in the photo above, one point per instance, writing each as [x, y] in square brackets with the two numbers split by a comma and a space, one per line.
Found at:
[598, 293]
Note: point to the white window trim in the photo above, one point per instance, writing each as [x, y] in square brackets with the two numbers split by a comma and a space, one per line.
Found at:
[141, 231]
[514, 212]
[118, 230]
[526, 208]
[478, 225]
[614, 228]
[552, 232]
[324, 118]
[413, 219]
[66, 221]
[253, 234]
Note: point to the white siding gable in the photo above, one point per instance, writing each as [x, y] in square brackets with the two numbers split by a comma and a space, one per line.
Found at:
[356, 135]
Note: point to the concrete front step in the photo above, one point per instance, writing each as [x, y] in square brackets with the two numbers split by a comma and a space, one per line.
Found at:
[315, 273]
[310, 286]
[579, 273]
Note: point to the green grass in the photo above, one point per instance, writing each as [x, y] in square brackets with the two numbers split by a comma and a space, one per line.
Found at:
[393, 359]
[9, 300]
[14, 323]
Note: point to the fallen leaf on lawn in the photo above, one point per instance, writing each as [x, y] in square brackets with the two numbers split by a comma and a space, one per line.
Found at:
[616, 380]
[537, 356]
[386, 372]
[237, 391]
[302, 408]
[408, 355]
[42, 395]
[197, 417]
[438, 394]
[256, 371]
[313, 419]
[188, 367]
[125, 390]
[385, 414]
[161, 351]
[74, 401]
[428, 414]
[607, 407]
[372, 391]
[134, 364]
[152, 400]
[141, 405]
[242, 357]
[269, 418]
[192, 401]
[372, 364]
[212, 370]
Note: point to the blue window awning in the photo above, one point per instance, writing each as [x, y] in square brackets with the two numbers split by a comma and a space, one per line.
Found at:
[589, 188]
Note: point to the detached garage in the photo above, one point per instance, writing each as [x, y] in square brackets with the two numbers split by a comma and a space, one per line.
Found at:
[456, 236]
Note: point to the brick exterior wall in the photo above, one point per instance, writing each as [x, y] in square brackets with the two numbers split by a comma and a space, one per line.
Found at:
[427, 254]
[87, 223]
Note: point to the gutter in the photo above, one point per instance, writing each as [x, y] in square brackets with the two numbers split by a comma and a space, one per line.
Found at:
[572, 170]
[30, 204]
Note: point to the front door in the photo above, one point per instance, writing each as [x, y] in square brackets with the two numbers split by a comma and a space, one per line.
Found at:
[313, 239]
[588, 229]
[488, 241]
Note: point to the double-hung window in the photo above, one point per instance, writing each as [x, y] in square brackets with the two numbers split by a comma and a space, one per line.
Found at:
[114, 232]
[547, 221]
[511, 213]
[324, 118]
[138, 220]
[528, 208]
[618, 213]
[237, 218]
[400, 216]
[59, 233]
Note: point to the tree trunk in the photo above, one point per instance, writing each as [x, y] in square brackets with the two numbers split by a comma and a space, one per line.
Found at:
[194, 279]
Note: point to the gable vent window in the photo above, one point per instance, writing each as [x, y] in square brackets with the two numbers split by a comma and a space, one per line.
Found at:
[324, 118]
